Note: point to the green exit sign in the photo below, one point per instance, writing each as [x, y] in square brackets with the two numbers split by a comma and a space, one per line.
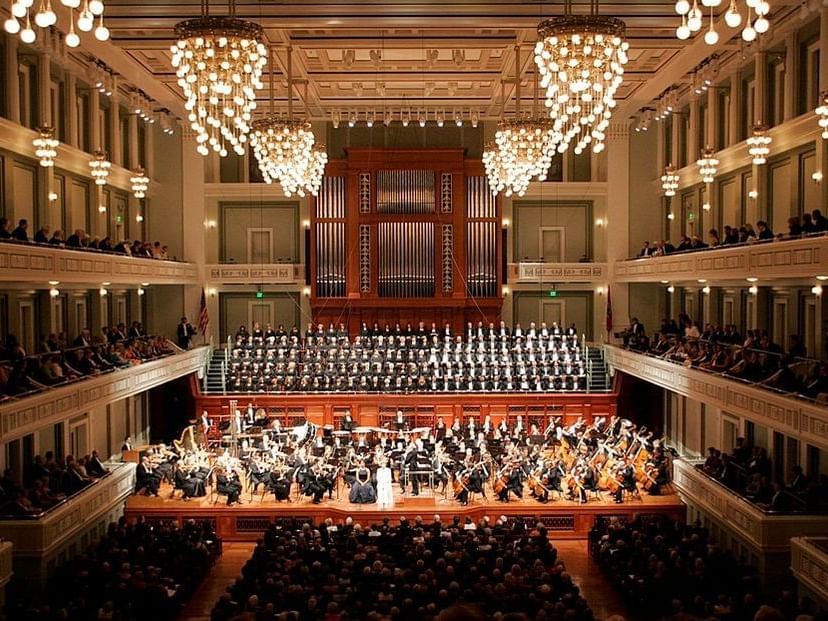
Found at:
[553, 294]
[119, 219]
[259, 295]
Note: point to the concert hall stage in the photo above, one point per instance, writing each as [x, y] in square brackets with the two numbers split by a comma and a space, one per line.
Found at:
[245, 522]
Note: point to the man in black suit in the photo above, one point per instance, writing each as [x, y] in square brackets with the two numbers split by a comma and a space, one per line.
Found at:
[21, 232]
[184, 332]
[4, 228]
[94, 466]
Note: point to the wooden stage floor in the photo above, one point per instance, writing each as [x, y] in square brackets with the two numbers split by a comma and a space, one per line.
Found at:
[564, 519]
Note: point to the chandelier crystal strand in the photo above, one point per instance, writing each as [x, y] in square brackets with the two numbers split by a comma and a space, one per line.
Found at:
[580, 59]
[219, 62]
[669, 181]
[822, 113]
[759, 144]
[45, 17]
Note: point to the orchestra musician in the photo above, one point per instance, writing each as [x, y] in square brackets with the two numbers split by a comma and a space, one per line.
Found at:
[146, 478]
[228, 482]
[626, 479]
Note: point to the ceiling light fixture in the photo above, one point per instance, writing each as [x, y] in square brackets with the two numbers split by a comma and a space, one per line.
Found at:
[218, 61]
[140, 182]
[580, 60]
[99, 167]
[759, 144]
[708, 165]
[46, 146]
[669, 181]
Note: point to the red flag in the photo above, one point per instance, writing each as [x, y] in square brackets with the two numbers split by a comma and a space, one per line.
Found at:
[609, 313]
[203, 315]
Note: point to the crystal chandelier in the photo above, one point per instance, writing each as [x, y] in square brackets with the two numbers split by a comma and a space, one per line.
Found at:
[822, 113]
[581, 61]
[522, 148]
[759, 144]
[708, 165]
[139, 182]
[45, 17]
[218, 62]
[286, 148]
[46, 146]
[692, 18]
[99, 168]
[669, 181]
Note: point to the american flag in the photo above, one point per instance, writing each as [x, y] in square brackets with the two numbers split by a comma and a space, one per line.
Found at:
[609, 314]
[203, 315]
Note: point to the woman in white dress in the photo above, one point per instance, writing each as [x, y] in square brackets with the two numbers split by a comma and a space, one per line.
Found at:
[385, 494]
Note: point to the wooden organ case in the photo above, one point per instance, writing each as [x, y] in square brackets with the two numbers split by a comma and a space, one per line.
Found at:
[405, 235]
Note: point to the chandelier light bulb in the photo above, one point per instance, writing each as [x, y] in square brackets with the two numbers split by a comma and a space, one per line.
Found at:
[27, 35]
[752, 3]
[761, 25]
[86, 21]
[694, 18]
[72, 38]
[748, 34]
[72, 4]
[96, 7]
[711, 37]
[11, 25]
[732, 17]
[683, 32]
[19, 10]
[42, 19]
[682, 7]
[102, 32]
[711, 3]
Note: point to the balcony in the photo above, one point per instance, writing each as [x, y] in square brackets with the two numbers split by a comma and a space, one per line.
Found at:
[795, 258]
[24, 415]
[765, 531]
[22, 262]
[39, 539]
[787, 414]
[256, 273]
[527, 272]
[809, 564]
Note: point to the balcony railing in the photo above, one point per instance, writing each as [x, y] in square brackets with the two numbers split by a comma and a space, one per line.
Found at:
[542, 272]
[256, 273]
[792, 258]
[25, 262]
[20, 416]
[784, 413]
[41, 537]
[809, 564]
[766, 531]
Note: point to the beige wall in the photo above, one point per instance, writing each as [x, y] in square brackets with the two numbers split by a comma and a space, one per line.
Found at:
[280, 218]
[645, 215]
[574, 217]
[164, 215]
[575, 307]
[238, 308]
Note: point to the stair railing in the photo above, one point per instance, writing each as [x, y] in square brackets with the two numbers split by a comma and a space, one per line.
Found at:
[223, 378]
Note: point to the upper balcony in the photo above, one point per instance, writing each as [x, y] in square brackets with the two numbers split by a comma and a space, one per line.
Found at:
[767, 531]
[782, 412]
[805, 258]
[30, 262]
[255, 273]
[40, 537]
[26, 414]
[538, 273]
[809, 564]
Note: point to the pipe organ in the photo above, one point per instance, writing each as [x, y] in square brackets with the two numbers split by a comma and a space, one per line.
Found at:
[405, 235]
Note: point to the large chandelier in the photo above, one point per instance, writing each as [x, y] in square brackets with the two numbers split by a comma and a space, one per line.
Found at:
[45, 17]
[286, 148]
[759, 144]
[581, 61]
[521, 152]
[692, 17]
[219, 63]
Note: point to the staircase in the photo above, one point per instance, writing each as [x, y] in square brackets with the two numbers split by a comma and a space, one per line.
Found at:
[599, 380]
[214, 384]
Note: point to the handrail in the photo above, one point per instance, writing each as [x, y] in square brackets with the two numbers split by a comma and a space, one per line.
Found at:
[62, 502]
[63, 246]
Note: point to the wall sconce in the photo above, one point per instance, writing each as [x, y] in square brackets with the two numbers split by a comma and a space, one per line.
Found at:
[102, 291]
[599, 290]
[506, 223]
[306, 224]
[141, 291]
[816, 290]
[139, 218]
[753, 290]
[101, 208]
[599, 222]
[505, 290]
[816, 176]
[671, 289]
[53, 292]
[53, 196]
[753, 194]
[671, 216]
[306, 292]
[212, 292]
[706, 206]
[706, 290]
[209, 224]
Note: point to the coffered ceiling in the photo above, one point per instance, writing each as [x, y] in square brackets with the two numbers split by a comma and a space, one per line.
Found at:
[399, 55]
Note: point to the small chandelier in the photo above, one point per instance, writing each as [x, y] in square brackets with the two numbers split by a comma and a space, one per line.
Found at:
[45, 17]
[99, 167]
[692, 18]
[140, 183]
[708, 165]
[669, 181]
[822, 112]
[46, 146]
[759, 144]
[521, 153]
[218, 62]
[580, 59]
